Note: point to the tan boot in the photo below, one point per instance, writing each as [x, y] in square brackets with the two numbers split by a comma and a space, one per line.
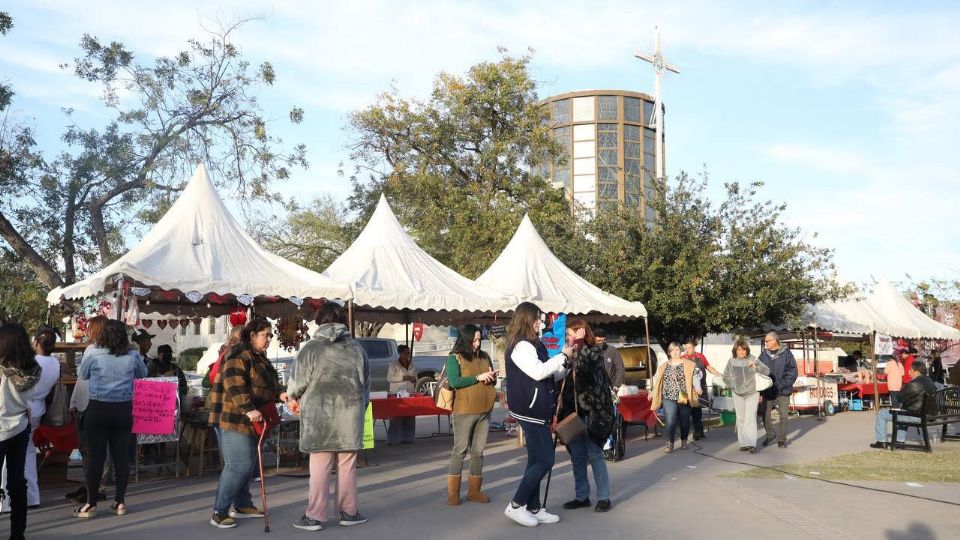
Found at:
[453, 490]
[473, 490]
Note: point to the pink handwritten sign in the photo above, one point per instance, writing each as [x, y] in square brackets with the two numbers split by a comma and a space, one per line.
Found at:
[154, 406]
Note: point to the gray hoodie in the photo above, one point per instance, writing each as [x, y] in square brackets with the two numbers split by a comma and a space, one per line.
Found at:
[331, 380]
[740, 377]
[13, 403]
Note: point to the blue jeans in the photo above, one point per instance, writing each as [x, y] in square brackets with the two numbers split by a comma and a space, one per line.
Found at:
[676, 413]
[239, 461]
[895, 399]
[583, 450]
[540, 458]
[884, 416]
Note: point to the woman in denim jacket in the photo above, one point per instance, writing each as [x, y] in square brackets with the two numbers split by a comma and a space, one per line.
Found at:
[108, 420]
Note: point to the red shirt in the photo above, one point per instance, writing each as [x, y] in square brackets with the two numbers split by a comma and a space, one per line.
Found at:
[699, 356]
[907, 361]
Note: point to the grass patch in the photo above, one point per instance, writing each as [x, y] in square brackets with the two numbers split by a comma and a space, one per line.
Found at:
[883, 465]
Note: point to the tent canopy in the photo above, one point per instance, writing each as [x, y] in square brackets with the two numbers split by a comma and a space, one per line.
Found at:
[885, 311]
[902, 319]
[391, 279]
[199, 246]
[529, 270]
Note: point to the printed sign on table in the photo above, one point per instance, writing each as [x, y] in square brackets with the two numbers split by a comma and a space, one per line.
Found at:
[883, 344]
[368, 427]
[155, 405]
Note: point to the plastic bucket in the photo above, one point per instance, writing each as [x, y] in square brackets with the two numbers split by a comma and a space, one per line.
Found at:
[728, 418]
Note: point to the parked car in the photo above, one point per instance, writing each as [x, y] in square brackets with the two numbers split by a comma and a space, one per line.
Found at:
[382, 351]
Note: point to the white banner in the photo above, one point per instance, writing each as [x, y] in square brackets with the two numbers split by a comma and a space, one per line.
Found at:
[883, 344]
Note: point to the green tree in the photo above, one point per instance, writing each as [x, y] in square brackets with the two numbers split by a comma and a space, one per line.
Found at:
[460, 168]
[70, 215]
[312, 236]
[708, 267]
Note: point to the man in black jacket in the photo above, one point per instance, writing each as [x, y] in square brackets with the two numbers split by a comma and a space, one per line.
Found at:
[783, 370]
[911, 401]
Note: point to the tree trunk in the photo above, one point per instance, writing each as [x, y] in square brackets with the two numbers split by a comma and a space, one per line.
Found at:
[100, 230]
[369, 329]
[47, 274]
[69, 250]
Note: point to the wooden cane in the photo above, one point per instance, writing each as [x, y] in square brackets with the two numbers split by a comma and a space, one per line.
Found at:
[263, 489]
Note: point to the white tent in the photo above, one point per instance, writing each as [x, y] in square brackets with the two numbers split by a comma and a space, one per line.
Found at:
[903, 319]
[392, 279]
[199, 246]
[840, 316]
[528, 269]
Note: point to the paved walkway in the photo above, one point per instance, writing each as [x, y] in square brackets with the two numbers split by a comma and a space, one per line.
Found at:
[655, 495]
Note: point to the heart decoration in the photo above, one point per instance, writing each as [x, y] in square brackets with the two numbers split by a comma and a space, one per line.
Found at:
[197, 321]
[184, 323]
[147, 323]
[162, 324]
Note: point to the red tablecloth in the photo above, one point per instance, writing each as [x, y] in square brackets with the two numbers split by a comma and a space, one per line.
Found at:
[63, 438]
[864, 389]
[636, 410]
[409, 406]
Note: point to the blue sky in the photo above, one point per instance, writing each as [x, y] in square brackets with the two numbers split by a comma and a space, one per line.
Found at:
[848, 111]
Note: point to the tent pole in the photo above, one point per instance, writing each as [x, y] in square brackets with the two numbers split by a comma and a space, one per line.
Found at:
[876, 385]
[350, 321]
[650, 355]
[816, 371]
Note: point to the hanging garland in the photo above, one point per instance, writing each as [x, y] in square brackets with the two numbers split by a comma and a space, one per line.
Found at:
[291, 332]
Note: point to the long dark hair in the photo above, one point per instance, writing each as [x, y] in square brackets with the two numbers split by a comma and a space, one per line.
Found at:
[464, 343]
[521, 325]
[331, 312]
[114, 338]
[15, 348]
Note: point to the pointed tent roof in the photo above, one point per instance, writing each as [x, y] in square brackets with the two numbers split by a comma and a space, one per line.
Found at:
[528, 269]
[199, 246]
[850, 316]
[389, 275]
[902, 319]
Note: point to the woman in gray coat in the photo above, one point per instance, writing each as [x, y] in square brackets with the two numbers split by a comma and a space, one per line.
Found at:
[740, 375]
[329, 388]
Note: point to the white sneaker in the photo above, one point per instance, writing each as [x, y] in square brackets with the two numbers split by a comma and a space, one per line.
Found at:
[542, 516]
[521, 515]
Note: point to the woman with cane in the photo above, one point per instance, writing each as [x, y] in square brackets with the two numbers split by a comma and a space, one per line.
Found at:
[531, 395]
[246, 382]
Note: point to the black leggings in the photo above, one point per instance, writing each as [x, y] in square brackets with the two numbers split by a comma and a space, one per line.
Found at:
[14, 450]
[106, 423]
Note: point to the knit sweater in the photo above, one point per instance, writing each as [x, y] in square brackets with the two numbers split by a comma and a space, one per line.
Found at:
[472, 396]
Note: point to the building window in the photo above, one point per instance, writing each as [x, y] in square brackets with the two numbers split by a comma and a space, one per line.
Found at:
[561, 111]
[632, 108]
[608, 107]
[561, 167]
[648, 112]
[631, 190]
[583, 109]
[607, 163]
[649, 151]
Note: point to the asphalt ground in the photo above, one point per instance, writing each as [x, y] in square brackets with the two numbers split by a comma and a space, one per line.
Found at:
[686, 494]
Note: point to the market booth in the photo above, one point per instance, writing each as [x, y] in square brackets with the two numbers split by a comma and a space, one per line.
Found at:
[528, 270]
[197, 261]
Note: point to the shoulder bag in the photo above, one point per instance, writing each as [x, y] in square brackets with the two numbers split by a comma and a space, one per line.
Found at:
[58, 406]
[443, 396]
[762, 381]
[571, 427]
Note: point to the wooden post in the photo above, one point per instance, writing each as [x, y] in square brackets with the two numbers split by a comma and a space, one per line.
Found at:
[876, 385]
[353, 332]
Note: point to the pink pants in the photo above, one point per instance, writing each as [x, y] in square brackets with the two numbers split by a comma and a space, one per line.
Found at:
[321, 464]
